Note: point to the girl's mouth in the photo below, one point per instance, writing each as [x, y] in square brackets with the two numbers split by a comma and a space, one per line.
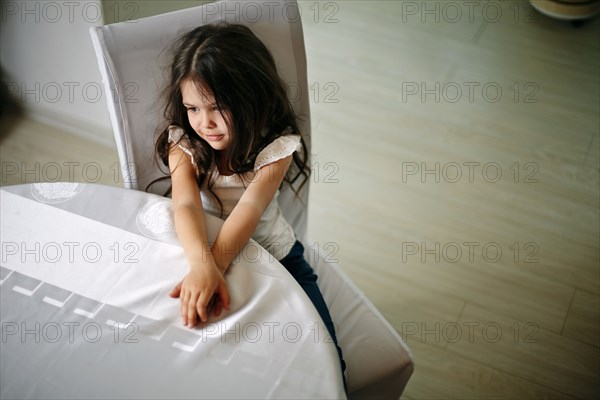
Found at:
[214, 138]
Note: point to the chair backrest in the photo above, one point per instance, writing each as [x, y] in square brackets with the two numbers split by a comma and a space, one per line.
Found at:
[133, 58]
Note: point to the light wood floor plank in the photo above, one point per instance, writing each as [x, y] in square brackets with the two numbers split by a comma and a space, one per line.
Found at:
[373, 131]
[582, 322]
[34, 152]
[442, 374]
[523, 348]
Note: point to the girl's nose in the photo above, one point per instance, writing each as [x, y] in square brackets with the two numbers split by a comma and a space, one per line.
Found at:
[205, 122]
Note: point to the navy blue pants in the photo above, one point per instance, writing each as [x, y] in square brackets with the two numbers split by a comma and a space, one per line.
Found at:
[296, 265]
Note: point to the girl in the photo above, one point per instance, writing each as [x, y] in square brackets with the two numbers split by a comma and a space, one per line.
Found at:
[231, 141]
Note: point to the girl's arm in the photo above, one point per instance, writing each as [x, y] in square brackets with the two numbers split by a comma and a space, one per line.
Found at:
[242, 222]
[204, 278]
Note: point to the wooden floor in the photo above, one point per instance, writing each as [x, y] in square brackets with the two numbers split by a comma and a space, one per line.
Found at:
[457, 171]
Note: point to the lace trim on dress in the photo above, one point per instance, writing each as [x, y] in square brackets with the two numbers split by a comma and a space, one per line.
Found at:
[177, 136]
[279, 148]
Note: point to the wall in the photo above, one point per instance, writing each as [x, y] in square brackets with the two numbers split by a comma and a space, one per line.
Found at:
[48, 62]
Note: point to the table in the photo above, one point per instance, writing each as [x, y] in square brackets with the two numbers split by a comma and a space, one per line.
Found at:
[84, 280]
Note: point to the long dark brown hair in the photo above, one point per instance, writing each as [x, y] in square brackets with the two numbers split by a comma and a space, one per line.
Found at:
[231, 63]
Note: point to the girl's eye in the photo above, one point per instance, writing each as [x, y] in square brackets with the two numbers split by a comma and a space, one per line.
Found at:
[194, 109]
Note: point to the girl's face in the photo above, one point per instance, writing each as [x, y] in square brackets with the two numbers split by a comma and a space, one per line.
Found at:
[204, 117]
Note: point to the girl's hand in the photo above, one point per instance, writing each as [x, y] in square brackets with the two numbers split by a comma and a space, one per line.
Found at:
[196, 291]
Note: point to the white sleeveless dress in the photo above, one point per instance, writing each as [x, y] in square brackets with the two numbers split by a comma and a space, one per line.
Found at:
[273, 232]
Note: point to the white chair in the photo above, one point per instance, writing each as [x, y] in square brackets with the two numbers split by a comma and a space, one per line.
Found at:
[132, 61]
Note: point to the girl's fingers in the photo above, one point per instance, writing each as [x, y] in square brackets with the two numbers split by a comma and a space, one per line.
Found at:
[195, 306]
[191, 310]
[176, 292]
[183, 306]
[181, 300]
[201, 304]
[218, 306]
[210, 307]
[224, 295]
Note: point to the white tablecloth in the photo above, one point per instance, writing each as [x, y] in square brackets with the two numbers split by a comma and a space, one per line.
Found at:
[84, 281]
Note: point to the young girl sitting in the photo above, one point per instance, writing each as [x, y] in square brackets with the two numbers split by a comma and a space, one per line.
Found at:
[231, 140]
